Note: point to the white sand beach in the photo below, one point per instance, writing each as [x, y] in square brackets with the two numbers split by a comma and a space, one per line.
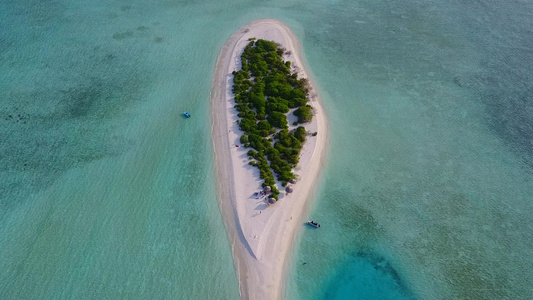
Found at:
[261, 236]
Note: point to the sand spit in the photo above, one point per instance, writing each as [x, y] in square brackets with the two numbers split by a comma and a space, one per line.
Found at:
[261, 236]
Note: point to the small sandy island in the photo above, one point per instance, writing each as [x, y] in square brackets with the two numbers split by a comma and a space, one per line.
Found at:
[261, 235]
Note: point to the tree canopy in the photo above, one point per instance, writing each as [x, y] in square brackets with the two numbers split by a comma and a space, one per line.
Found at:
[265, 91]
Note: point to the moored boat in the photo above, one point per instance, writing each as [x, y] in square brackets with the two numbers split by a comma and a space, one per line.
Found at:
[187, 115]
[313, 223]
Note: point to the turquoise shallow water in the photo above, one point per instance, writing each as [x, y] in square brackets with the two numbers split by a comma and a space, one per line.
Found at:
[430, 177]
[105, 192]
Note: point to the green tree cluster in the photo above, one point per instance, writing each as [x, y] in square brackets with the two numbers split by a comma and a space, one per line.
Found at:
[304, 114]
[265, 91]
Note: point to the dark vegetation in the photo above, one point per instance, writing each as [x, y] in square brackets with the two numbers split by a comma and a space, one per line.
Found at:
[265, 91]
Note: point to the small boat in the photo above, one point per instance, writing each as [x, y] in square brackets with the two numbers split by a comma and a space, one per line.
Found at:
[187, 115]
[313, 223]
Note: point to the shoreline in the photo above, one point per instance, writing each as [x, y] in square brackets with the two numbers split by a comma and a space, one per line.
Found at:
[261, 236]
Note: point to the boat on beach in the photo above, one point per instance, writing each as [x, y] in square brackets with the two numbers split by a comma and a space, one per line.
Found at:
[313, 223]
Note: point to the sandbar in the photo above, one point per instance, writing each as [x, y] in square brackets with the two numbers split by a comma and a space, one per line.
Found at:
[261, 235]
